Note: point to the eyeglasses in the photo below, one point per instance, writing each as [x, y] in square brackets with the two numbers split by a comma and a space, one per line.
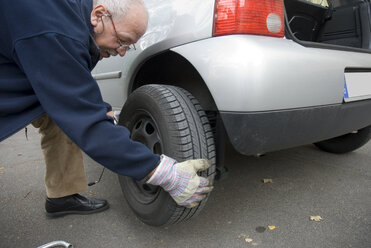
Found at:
[122, 46]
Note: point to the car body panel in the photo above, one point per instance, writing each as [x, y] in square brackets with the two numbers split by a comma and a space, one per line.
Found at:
[260, 73]
[271, 93]
[171, 23]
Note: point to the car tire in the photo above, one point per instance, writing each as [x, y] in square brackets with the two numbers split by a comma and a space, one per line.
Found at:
[168, 120]
[346, 143]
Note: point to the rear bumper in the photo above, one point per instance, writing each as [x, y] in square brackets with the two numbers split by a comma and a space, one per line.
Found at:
[259, 132]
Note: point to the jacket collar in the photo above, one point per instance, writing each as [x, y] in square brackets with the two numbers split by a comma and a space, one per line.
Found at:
[86, 9]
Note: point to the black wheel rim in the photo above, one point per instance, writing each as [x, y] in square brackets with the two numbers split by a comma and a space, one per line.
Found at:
[145, 131]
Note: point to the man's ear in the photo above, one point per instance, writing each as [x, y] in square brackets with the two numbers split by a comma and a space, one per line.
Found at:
[96, 14]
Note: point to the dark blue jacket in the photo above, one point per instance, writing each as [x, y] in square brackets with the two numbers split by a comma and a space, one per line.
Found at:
[46, 56]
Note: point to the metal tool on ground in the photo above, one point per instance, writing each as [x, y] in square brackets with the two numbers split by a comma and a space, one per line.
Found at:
[56, 244]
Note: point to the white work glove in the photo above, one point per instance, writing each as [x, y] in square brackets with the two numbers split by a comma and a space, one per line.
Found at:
[181, 180]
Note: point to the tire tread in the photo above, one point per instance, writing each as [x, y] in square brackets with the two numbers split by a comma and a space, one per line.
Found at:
[190, 134]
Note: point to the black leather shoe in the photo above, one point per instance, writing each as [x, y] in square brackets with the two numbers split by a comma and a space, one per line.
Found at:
[73, 204]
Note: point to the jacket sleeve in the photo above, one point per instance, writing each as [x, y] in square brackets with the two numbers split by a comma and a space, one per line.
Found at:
[58, 70]
[108, 106]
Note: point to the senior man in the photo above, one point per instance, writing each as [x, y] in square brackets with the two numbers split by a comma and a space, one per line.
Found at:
[47, 51]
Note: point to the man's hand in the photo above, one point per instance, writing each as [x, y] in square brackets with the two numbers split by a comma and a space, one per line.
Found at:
[181, 180]
[112, 114]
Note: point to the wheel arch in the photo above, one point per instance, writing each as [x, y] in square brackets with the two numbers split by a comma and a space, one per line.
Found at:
[170, 68]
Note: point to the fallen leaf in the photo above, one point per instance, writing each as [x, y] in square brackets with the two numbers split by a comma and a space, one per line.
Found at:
[245, 237]
[19, 154]
[316, 218]
[70, 226]
[272, 227]
[248, 240]
[2, 168]
[267, 181]
[229, 222]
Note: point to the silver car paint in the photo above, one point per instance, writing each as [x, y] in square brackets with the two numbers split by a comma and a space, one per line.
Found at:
[257, 73]
[242, 72]
[171, 23]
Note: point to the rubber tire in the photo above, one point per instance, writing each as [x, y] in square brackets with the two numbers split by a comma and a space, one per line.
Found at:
[346, 143]
[184, 133]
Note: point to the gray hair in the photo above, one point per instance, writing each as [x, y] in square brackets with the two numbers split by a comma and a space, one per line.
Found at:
[118, 8]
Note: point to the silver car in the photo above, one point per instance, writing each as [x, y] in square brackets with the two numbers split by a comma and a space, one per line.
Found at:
[264, 75]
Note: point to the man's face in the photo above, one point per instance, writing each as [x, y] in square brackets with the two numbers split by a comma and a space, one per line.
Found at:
[128, 29]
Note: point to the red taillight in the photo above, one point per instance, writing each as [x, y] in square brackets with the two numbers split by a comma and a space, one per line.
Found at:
[262, 17]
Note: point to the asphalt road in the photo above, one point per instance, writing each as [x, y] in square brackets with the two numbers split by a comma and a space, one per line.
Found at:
[306, 182]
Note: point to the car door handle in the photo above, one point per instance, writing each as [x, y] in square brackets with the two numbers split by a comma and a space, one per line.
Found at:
[107, 75]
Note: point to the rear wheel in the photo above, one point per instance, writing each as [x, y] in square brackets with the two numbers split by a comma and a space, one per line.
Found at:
[346, 143]
[168, 120]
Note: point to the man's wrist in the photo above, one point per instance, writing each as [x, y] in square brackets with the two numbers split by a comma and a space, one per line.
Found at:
[151, 173]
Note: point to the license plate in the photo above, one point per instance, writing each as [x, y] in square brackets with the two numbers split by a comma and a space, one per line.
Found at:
[357, 86]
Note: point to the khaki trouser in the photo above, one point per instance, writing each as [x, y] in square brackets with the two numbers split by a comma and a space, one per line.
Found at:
[65, 174]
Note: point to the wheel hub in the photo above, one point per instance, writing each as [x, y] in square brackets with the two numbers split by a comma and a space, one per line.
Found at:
[145, 131]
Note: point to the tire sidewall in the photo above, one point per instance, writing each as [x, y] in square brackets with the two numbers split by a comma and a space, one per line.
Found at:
[136, 105]
[346, 143]
[163, 209]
